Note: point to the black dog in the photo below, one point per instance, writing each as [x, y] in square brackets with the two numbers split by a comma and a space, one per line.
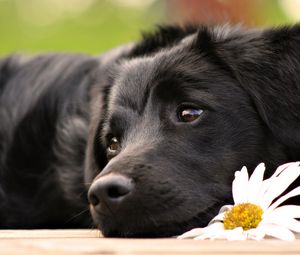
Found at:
[159, 127]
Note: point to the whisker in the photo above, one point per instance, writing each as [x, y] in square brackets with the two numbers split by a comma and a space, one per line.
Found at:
[111, 211]
[76, 215]
[86, 183]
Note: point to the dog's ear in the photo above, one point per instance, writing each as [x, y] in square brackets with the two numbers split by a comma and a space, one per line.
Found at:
[267, 65]
[95, 158]
[110, 57]
[7, 67]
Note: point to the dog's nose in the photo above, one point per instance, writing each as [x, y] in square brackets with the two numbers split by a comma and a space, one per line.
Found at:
[110, 190]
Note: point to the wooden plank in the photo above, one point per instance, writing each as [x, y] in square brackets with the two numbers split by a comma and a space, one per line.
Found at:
[75, 242]
[45, 233]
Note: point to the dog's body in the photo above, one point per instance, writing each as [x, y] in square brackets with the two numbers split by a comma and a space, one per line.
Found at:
[44, 121]
[162, 124]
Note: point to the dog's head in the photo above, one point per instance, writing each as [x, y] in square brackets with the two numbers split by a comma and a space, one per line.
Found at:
[183, 111]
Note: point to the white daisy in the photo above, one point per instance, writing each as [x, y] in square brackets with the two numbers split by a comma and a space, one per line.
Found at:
[256, 212]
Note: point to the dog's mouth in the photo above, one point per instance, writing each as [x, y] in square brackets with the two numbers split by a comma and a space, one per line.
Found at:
[138, 226]
[120, 208]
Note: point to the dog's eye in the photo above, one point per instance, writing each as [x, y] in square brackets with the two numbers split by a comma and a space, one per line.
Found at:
[188, 114]
[113, 145]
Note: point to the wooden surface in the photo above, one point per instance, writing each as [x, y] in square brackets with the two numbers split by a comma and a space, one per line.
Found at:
[31, 242]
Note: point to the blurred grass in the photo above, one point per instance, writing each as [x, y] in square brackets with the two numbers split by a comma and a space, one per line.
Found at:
[33, 26]
[271, 14]
[100, 27]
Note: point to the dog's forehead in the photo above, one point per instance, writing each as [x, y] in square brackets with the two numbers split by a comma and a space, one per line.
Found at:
[132, 82]
[135, 78]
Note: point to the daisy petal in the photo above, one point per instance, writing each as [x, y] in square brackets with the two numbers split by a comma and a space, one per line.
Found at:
[225, 208]
[240, 186]
[235, 187]
[192, 233]
[280, 184]
[255, 183]
[268, 182]
[290, 211]
[255, 233]
[205, 236]
[220, 216]
[293, 225]
[293, 193]
[234, 234]
[216, 227]
[283, 167]
[283, 221]
[279, 232]
[212, 235]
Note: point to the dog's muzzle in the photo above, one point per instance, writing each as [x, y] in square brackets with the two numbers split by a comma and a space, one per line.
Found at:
[109, 192]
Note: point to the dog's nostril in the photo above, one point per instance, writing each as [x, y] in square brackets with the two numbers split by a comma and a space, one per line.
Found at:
[93, 200]
[117, 191]
[110, 191]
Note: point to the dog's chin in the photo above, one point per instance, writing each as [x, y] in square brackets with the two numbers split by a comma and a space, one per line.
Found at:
[148, 229]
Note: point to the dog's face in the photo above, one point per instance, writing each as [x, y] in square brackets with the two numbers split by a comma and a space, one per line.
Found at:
[177, 126]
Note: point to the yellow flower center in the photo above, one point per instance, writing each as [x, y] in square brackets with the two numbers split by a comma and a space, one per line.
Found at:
[244, 215]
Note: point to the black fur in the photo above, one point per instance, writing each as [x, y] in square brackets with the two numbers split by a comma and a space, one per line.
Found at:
[57, 112]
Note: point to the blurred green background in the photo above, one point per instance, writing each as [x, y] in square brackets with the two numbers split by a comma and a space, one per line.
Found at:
[93, 26]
